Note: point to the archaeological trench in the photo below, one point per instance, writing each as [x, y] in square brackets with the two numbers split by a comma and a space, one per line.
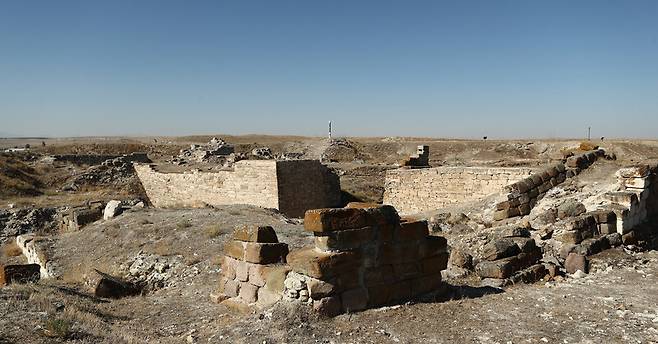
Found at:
[367, 255]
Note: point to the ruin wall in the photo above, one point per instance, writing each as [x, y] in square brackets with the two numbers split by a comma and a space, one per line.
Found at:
[417, 190]
[251, 182]
[306, 184]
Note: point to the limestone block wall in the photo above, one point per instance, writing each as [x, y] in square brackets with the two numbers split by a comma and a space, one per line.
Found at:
[290, 186]
[251, 182]
[306, 184]
[35, 249]
[417, 190]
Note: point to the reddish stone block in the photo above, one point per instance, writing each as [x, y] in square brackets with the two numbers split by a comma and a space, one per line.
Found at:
[334, 219]
[346, 239]
[411, 231]
[265, 253]
[354, 300]
[251, 233]
[322, 265]
[435, 264]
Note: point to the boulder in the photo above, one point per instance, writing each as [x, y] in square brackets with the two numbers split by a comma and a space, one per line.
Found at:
[501, 248]
[575, 262]
[112, 209]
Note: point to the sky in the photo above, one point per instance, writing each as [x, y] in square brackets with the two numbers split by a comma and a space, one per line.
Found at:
[462, 69]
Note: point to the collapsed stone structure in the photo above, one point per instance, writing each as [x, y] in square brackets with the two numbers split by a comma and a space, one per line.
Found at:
[522, 196]
[364, 256]
[290, 186]
[75, 218]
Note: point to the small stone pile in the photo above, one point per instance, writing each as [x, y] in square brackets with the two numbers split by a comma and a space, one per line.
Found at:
[363, 257]
[253, 268]
[523, 195]
[511, 259]
[217, 150]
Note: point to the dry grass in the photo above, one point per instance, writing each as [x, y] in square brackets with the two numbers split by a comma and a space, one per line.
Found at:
[587, 146]
[183, 224]
[57, 327]
[11, 249]
[213, 231]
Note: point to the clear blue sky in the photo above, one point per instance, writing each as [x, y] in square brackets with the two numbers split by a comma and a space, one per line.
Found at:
[376, 68]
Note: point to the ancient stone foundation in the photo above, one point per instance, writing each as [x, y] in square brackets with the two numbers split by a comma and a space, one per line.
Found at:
[363, 257]
[290, 186]
[417, 190]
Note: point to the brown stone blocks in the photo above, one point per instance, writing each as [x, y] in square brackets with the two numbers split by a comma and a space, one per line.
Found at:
[322, 265]
[345, 240]
[411, 231]
[435, 264]
[425, 284]
[250, 233]
[354, 299]
[265, 253]
[334, 219]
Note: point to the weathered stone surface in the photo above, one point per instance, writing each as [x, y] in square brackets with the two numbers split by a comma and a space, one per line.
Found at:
[431, 246]
[500, 248]
[248, 292]
[525, 244]
[576, 262]
[19, 273]
[425, 284]
[251, 233]
[629, 238]
[334, 219]
[514, 231]
[570, 209]
[265, 253]
[461, 259]
[242, 271]
[228, 267]
[614, 239]
[378, 275]
[112, 209]
[319, 289]
[407, 270]
[231, 288]
[234, 249]
[113, 287]
[322, 265]
[354, 300]
[410, 231]
[258, 274]
[435, 264]
[267, 298]
[571, 237]
[346, 239]
[502, 268]
[328, 306]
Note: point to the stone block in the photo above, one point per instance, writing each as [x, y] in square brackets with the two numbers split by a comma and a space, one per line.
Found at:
[395, 253]
[629, 238]
[576, 262]
[319, 289]
[378, 275]
[231, 288]
[524, 209]
[406, 270]
[258, 274]
[346, 239]
[19, 273]
[234, 249]
[251, 233]
[265, 253]
[322, 265]
[379, 295]
[411, 231]
[242, 271]
[436, 263]
[525, 244]
[354, 300]
[400, 291]
[113, 287]
[328, 306]
[248, 292]
[571, 236]
[267, 298]
[502, 268]
[614, 239]
[461, 259]
[425, 284]
[500, 248]
[228, 267]
[348, 279]
[334, 219]
[275, 277]
[636, 183]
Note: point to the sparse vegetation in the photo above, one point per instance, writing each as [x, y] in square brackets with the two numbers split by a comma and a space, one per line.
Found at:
[183, 224]
[213, 231]
[57, 327]
[10, 249]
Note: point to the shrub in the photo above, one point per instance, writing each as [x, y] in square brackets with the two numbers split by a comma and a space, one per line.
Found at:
[10, 249]
[213, 231]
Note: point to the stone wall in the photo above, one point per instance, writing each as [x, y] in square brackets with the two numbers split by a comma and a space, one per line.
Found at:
[364, 257]
[290, 186]
[306, 184]
[417, 190]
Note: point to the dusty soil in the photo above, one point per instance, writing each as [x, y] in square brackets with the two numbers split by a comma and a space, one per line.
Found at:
[615, 303]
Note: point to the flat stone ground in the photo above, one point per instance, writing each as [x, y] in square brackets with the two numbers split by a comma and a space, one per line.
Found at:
[616, 303]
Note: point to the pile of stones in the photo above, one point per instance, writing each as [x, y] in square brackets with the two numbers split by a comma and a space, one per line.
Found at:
[217, 150]
[364, 256]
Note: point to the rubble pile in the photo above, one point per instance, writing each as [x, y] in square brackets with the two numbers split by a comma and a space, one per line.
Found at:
[215, 151]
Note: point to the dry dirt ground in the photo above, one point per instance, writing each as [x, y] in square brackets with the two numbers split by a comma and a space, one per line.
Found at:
[616, 303]
[180, 249]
